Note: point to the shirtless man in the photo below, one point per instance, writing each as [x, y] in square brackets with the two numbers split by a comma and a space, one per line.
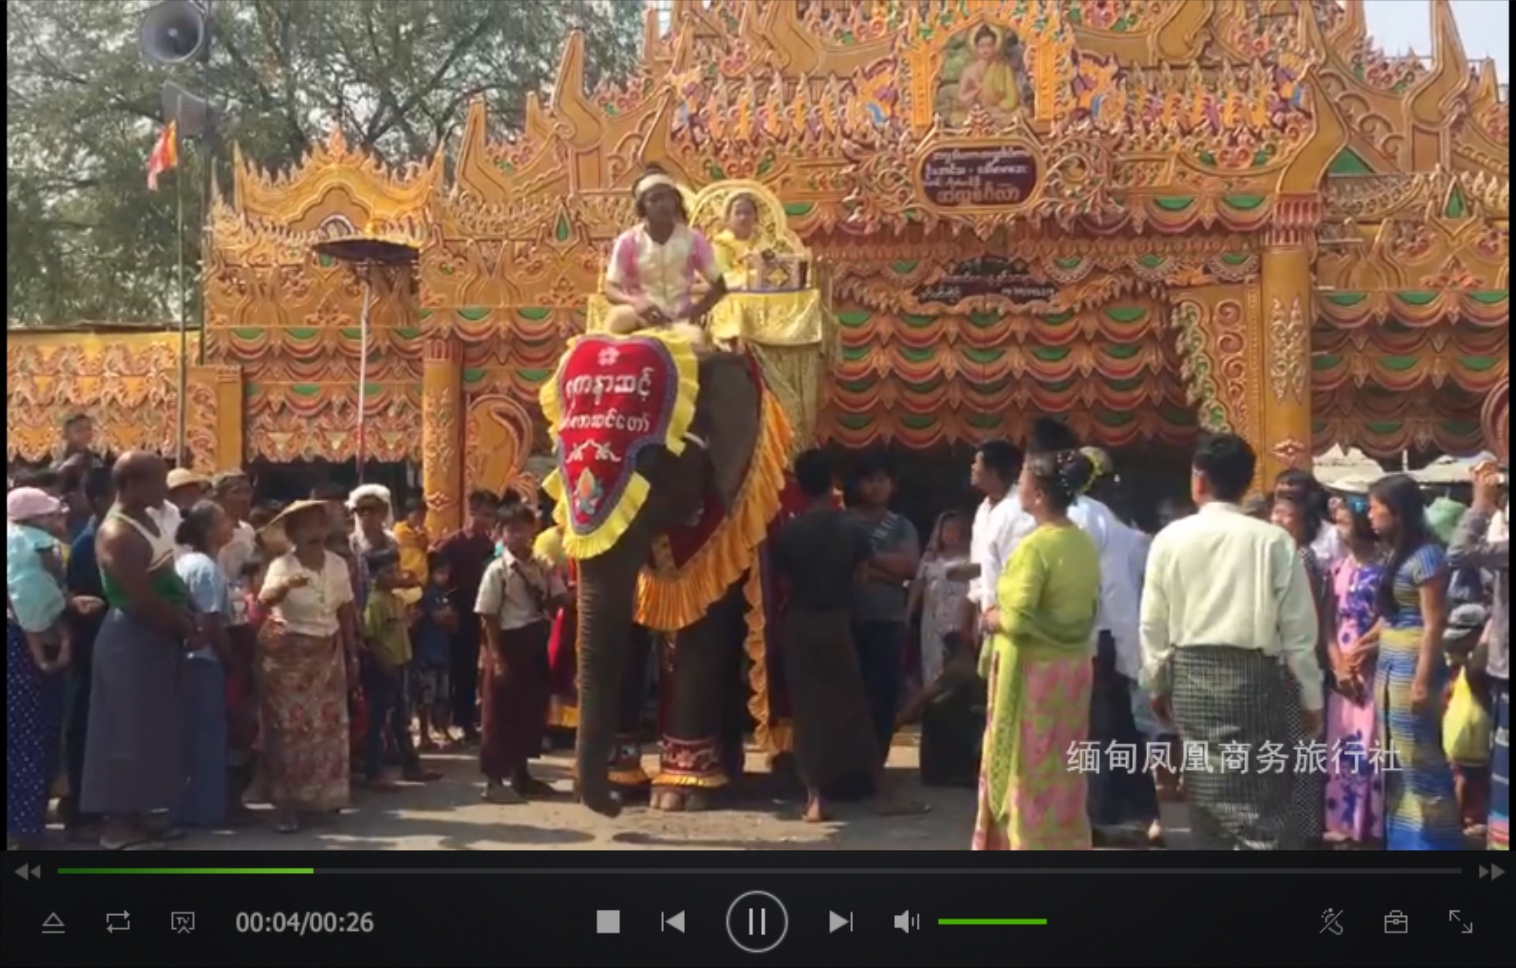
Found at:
[134, 757]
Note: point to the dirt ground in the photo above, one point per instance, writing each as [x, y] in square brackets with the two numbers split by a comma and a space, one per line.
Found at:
[448, 815]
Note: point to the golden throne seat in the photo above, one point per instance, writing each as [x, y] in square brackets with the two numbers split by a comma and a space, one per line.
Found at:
[781, 318]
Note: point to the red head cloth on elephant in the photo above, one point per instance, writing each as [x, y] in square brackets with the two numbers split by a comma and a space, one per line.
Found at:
[611, 398]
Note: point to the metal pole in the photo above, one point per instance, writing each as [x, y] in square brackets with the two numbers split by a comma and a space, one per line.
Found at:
[183, 421]
[367, 268]
[211, 142]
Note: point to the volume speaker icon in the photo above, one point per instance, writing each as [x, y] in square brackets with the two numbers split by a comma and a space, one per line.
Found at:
[908, 922]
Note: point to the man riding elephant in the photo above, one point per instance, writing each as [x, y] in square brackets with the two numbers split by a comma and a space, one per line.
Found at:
[654, 266]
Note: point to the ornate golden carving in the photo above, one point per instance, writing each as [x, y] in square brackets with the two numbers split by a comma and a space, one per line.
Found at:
[499, 437]
[126, 382]
[1292, 453]
[1288, 352]
[1496, 420]
[1157, 181]
[441, 433]
[1189, 317]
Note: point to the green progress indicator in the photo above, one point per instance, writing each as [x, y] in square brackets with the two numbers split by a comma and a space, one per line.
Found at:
[1041, 921]
[186, 870]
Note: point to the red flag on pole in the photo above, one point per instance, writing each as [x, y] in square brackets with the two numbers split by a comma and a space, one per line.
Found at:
[165, 155]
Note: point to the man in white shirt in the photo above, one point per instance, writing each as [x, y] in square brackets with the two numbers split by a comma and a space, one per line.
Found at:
[1229, 634]
[1121, 795]
[996, 469]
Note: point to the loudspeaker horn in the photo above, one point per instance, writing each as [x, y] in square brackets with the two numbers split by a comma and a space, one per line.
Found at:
[174, 32]
[191, 113]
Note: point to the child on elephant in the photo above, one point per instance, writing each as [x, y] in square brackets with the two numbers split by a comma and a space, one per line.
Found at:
[651, 275]
[517, 599]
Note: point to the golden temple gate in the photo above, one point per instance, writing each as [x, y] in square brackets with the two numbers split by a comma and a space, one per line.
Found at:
[1146, 217]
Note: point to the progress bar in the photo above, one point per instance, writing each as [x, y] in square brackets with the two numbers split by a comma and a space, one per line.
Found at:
[774, 872]
[186, 870]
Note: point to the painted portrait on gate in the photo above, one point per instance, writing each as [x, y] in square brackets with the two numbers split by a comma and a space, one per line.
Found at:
[984, 65]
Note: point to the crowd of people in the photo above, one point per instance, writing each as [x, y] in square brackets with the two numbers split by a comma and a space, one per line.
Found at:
[1305, 668]
[1310, 669]
[176, 651]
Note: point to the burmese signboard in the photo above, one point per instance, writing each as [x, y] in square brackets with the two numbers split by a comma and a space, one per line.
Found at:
[978, 176]
[991, 276]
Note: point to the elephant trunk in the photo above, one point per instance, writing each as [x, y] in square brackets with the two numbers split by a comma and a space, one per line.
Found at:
[607, 605]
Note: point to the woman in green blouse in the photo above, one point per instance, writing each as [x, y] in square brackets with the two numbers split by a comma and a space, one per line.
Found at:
[1038, 663]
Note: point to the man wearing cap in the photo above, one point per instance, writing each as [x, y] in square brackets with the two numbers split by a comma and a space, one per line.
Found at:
[373, 518]
[185, 487]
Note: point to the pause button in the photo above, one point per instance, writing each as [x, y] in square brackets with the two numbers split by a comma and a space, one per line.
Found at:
[757, 922]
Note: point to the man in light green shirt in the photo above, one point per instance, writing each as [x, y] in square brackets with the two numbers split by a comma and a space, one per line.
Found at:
[1229, 635]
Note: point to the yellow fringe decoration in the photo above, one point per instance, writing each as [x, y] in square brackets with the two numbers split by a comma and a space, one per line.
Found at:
[770, 740]
[668, 602]
[619, 518]
[561, 715]
[713, 782]
[628, 778]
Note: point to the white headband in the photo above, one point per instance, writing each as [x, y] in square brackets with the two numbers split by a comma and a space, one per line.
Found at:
[648, 182]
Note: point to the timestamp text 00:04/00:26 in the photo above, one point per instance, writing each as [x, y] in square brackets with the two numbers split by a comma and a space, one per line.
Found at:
[305, 922]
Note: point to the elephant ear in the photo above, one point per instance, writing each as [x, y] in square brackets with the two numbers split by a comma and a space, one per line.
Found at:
[727, 419]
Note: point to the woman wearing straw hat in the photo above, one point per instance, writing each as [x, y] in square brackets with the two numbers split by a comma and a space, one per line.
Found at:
[305, 653]
[653, 267]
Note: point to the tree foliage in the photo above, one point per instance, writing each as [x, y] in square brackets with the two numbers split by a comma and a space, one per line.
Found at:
[86, 240]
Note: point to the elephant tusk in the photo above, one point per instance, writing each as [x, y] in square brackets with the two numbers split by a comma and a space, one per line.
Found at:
[697, 440]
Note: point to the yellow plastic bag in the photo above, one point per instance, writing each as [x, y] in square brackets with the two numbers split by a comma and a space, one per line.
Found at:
[1465, 727]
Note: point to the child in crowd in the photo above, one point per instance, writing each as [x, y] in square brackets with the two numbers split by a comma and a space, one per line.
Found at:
[517, 599]
[435, 627]
[386, 659]
[204, 530]
[241, 701]
[414, 541]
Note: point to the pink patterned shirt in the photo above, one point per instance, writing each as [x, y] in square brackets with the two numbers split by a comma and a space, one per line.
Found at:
[664, 274]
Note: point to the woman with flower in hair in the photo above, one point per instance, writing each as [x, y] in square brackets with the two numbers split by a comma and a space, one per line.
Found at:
[1037, 662]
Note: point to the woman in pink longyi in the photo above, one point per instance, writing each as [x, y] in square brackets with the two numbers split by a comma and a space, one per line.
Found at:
[1354, 796]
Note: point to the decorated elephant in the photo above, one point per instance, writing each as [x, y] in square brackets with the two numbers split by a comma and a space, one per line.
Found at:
[670, 468]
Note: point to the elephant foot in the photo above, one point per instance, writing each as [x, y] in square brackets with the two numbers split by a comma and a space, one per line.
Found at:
[680, 799]
[607, 803]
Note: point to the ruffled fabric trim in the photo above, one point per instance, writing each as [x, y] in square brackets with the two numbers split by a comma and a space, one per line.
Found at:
[670, 601]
